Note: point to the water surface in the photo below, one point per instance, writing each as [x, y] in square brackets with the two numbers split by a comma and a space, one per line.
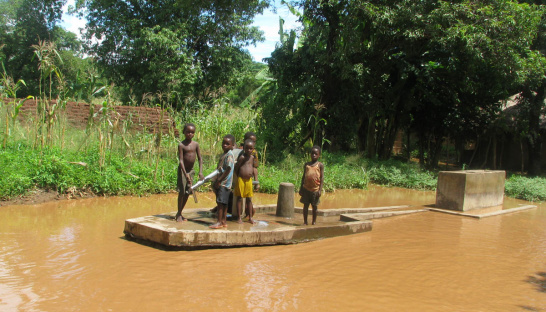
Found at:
[72, 255]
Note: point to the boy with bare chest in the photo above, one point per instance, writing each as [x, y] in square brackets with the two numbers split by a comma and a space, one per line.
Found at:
[245, 171]
[188, 151]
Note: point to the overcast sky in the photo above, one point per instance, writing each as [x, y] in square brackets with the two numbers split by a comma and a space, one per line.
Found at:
[268, 23]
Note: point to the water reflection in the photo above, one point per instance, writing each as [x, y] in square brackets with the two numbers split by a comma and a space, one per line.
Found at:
[267, 288]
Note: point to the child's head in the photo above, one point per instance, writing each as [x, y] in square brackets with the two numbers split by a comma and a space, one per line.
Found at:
[228, 142]
[250, 135]
[249, 146]
[189, 130]
[315, 153]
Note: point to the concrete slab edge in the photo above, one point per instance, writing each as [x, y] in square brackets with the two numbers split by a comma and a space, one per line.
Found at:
[375, 215]
[224, 238]
[339, 211]
[485, 215]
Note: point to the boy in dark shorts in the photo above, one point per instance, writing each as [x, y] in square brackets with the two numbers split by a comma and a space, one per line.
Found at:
[188, 150]
[245, 171]
[222, 185]
[311, 184]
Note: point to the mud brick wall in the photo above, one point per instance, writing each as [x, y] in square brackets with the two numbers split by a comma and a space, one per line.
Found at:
[78, 114]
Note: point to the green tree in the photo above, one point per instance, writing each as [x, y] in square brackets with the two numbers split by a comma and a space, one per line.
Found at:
[26, 23]
[533, 94]
[436, 67]
[171, 46]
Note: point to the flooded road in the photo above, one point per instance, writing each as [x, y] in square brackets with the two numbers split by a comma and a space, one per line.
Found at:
[72, 255]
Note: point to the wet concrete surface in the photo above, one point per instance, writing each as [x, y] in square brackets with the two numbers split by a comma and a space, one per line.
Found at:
[268, 229]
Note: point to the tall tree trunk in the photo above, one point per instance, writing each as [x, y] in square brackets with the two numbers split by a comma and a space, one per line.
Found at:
[408, 144]
[434, 152]
[363, 133]
[447, 153]
[534, 139]
[522, 156]
[422, 142]
[371, 141]
[501, 154]
[475, 150]
[486, 153]
[388, 138]
[495, 152]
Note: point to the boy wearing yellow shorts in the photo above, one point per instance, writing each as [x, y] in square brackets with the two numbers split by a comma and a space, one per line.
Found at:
[245, 171]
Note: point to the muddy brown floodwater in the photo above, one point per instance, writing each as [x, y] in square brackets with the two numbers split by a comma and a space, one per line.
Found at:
[72, 255]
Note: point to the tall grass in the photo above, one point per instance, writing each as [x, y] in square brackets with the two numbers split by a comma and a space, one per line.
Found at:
[108, 156]
[212, 124]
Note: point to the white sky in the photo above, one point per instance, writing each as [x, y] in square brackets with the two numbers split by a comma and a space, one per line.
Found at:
[268, 23]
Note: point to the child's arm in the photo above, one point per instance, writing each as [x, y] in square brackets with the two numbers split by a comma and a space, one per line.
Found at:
[181, 161]
[255, 174]
[200, 160]
[221, 177]
[225, 172]
[302, 179]
[321, 166]
[238, 164]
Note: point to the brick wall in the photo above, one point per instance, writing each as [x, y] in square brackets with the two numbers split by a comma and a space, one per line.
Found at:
[78, 114]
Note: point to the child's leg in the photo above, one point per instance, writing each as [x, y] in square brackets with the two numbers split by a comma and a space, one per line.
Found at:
[315, 208]
[182, 199]
[219, 217]
[239, 209]
[220, 213]
[305, 213]
[250, 208]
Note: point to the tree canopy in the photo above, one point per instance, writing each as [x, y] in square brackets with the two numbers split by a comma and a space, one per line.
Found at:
[370, 68]
[186, 48]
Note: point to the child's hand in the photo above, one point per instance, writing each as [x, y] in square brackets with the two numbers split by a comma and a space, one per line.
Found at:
[201, 177]
[300, 192]
[256, 187]
[216, 185]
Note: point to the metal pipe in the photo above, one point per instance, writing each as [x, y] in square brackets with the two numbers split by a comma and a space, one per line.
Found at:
[206, 179]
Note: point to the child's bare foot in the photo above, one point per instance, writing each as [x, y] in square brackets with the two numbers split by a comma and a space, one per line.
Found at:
[216, 226]
[240, 220]
[251, 221]
[304, 223]
[180, 218]
[224, 225]
[313, 223]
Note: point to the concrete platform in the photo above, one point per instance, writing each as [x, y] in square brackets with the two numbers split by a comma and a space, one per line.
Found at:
[268, 230]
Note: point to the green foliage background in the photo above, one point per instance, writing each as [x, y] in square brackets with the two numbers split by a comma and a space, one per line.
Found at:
[353, 75]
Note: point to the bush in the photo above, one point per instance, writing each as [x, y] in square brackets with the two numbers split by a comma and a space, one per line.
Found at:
[531, 189]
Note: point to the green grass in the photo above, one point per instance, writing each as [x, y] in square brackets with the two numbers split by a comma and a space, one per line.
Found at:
[64, 171]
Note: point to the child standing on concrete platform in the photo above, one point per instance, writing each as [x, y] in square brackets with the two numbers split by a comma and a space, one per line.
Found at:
[188, 151]
[311, 184]
[222, 186]
[245, 171]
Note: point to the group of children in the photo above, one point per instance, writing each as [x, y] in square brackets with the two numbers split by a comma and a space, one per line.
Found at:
[245, 169]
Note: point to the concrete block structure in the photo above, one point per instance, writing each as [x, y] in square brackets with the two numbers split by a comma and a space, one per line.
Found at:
[470, 189]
